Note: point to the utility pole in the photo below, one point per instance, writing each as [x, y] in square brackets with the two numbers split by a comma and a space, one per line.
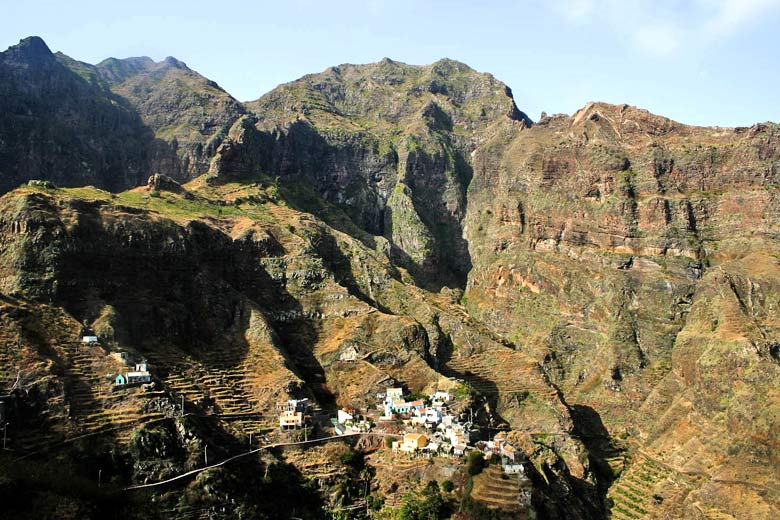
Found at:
[182, 405]
[250, 441]
[5, 427]
[206, 454]
[100, 477]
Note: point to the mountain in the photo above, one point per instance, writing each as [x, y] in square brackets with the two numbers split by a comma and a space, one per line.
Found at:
[189, 114]
[62, 127]
[601, 287]
[111, 125]
[390, 143]
[636, 259]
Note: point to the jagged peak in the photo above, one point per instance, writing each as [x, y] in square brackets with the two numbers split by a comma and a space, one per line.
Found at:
[32, 48]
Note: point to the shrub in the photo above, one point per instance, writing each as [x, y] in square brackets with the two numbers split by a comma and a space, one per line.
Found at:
[476, 463]
[352, 458]
[447, 486]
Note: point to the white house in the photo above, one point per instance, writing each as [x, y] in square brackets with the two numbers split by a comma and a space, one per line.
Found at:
[394, 393]
[90, 340]
[294, 405]
[343, 416]
[428, 416]
[514, 468]
[290, 419]
[440, 399]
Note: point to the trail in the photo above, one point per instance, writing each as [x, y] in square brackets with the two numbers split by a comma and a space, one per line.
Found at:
[252, 452]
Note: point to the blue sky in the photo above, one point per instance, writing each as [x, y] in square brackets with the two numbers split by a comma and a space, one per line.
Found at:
[709, 62]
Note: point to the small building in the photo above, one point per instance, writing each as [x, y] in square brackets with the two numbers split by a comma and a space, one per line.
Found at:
[400, 406]
[294, 405]
[392, 394]
[349, 354]
[138, 377]
[345, 415]
[440, 399]
[290, 419]
[413, 442]
[513, 468]
[120, 380]
[90, 340]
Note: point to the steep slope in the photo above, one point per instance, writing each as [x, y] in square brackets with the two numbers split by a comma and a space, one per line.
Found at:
[111, 125]
[598, 241]
[620, 271]
[59, 126]
[237, 302]
[189, 114]
[388, 142]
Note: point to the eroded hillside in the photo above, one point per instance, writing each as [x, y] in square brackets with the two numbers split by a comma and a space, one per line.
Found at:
[604, 287]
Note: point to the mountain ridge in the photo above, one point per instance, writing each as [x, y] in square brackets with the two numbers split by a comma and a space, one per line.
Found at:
[602, 285]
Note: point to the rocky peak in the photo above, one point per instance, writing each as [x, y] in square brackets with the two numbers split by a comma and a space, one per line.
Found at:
[170, 61]
[29, 50]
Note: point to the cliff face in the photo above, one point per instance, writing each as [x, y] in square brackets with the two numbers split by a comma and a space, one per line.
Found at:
[601, 241]
[189, 114]
[111, 125]
[60, 126]
[390, 143]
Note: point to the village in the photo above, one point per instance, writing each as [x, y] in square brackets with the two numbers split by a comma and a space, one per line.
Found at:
[437, 426]
[425, 426]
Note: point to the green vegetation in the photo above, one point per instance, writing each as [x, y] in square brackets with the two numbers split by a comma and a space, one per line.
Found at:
[425, 505]
[475, 463]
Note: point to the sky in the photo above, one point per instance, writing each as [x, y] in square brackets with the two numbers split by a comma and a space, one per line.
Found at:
[703, 62]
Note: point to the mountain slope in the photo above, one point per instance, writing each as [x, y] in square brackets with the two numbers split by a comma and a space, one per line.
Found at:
[601, 241]
[62, 127]
[189, 114]
[605, 284]
[389, 142]
[238, 306]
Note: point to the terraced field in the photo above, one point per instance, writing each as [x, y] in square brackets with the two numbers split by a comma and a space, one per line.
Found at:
[244, 387]
[500, 491]
[405, 474]
[498, 370]
[94, 403]
[643, 487]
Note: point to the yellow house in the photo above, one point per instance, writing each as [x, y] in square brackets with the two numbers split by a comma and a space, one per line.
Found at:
[413, 442]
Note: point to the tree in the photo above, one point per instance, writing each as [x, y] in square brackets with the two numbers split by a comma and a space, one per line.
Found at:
[428, 505]
[476, 463]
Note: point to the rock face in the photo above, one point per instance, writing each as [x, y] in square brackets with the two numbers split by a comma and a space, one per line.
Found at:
[599, 240]
[390, 143]
[110, 125]
[63, 127]
[189, 114]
